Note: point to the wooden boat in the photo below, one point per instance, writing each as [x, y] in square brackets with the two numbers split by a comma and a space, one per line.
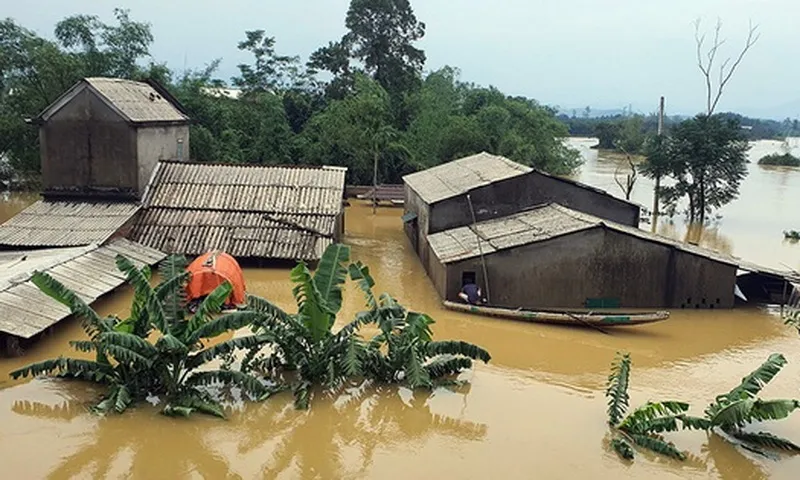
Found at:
[563, 317]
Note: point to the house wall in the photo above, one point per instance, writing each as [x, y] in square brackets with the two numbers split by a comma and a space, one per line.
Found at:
[86, 147]
[417, 230]
[702, 283]
[599, 263]
[159, 143]
[509, 196]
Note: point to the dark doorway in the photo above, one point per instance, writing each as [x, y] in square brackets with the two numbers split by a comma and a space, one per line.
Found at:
[467, 278]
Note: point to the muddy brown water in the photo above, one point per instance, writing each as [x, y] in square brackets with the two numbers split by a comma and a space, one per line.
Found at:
[536, 411]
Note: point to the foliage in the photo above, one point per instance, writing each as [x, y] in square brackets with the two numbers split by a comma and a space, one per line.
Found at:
[376, 107]
[784, 160]
[732, 411]
[708, 161]
[132, 366]
[642, 427]
[791, 234]
[305, 351]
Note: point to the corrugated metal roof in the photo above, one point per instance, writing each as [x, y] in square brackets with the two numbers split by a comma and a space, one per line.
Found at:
[536, 225]
[248, 211]
[137, 102]
[298, 190]
[49, 223]
[89, 271]
[241, 234]
[460, 176]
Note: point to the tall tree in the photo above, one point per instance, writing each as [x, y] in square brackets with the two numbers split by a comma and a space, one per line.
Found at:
[381, 35]
[270, 72]
[708, 160]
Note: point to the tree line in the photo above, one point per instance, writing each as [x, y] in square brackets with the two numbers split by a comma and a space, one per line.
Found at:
[358, 100]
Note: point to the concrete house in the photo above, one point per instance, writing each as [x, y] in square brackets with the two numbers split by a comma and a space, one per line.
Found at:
[104, 136]
[483, 187]
[551, 256]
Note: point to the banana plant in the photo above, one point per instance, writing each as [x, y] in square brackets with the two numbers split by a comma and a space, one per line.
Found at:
[731, 412]
[306, 351]
[404, 351]
[644, 426]
[133, 367]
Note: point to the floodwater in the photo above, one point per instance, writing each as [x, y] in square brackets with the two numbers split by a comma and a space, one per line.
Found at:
[536, 411]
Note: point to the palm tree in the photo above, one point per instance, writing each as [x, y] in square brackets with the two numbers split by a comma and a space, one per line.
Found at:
[642, 427]
[731, 412]
[131, 366]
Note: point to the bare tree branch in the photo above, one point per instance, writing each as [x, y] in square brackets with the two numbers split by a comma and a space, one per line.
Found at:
[714, 93]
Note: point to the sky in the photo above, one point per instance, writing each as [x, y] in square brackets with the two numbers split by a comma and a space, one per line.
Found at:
[605, 54]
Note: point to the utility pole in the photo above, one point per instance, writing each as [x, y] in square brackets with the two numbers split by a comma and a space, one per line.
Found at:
[658, 177]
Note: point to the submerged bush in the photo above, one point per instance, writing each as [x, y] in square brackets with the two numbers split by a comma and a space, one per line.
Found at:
[783, 160]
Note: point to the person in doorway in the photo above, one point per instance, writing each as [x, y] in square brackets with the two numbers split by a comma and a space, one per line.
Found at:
[471, 294]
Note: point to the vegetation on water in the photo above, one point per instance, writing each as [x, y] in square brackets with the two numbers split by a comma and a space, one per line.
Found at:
[780, 159]
[728, 415]
[131, 366]
[307, 352]
[374, 103]
[644, 426]
[298, 351]
[791, 235]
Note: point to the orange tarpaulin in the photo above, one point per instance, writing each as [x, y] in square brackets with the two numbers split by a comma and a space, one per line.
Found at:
[211, 270]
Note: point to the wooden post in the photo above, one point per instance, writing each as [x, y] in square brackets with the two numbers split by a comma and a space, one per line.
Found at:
[480, 249]
[375, 184]
[783, 298]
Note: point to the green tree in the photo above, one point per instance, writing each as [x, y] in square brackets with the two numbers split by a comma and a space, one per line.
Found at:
[607, 133]
[708, 161]
[631, 137]
[381, 35]
[657, 164]
[270, 73]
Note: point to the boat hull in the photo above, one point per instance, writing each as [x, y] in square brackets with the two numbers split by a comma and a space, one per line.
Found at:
[562, 317]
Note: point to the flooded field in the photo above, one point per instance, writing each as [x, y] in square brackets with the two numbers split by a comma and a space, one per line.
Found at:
[536, 411]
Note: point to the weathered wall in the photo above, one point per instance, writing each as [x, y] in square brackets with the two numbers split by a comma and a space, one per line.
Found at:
[512, 195]
[566, 271]
[701, 283]
[417, 230]
[159, 143]
[87, 147]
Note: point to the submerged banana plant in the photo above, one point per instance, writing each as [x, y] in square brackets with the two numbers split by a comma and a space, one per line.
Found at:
[131, 365]
[644, 426]
[733, 411]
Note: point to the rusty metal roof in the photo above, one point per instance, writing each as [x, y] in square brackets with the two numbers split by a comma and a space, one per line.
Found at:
[460, 176]
[137, 102]
[539, 224]
[49, 223]
[89, 271]
[247, 210]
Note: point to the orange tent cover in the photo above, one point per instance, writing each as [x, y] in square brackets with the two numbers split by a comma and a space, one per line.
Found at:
[211, 270]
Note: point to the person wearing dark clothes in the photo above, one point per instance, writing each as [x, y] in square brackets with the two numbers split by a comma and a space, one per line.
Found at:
[471, 294]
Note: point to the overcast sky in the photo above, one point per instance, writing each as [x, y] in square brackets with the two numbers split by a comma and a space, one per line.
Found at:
[570, 53]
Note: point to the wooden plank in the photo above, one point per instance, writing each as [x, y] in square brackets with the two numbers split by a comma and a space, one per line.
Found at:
[86, 292]
[92, 277]
[97, 264]
[146, 254]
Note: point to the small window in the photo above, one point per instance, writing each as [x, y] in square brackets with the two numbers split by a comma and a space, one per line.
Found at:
[467, 278]
[180, 149]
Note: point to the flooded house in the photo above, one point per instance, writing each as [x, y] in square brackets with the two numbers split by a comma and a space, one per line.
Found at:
[551, 256]
[100, 143]
[484, 187]
[253, 212]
